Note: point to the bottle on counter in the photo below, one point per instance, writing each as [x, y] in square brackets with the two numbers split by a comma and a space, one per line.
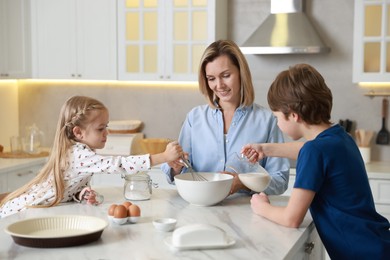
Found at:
[32, 142]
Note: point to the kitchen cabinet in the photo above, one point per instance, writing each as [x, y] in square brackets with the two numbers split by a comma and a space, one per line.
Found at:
[380, 189]
[371, 54]
[164, 40]
[74, 39]
[310, 249]
[16, 172]
[15, 44]
[3, 183]
[16, 179]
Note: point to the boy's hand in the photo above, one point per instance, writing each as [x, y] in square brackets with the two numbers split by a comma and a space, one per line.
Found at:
[253, 152]
[258, 201]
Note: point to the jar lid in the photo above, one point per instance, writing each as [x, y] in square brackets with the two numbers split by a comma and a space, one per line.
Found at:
[140, 176]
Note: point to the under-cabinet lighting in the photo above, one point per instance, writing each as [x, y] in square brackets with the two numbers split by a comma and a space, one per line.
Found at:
[374, 84]
[7, 82]
[75, 83]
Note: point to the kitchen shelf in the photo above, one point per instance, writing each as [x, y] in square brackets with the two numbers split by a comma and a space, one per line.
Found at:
[373, 94]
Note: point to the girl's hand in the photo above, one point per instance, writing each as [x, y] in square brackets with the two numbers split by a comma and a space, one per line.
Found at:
[177, 165]
[91, 197]
[258, 201]
[173, 151]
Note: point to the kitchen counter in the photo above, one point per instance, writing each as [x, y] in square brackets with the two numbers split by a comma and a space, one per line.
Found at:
[10, 164]
[378, 170]
[256, 237]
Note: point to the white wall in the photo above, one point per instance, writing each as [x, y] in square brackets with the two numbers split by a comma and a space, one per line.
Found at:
[9, 112]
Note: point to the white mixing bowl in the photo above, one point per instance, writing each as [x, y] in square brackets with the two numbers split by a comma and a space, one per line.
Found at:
[204, 193]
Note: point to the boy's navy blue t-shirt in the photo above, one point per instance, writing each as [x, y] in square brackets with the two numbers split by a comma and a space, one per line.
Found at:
[343, 209]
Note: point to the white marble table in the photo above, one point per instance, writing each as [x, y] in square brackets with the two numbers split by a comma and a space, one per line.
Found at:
[256, 237]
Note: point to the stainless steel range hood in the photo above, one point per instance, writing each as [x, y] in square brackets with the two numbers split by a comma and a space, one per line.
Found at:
[287, 30]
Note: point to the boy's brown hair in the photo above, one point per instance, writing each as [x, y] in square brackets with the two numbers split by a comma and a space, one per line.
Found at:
[301, 89]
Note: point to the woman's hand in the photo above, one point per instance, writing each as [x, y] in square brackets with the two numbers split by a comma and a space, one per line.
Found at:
[258, 201]
[237, 184]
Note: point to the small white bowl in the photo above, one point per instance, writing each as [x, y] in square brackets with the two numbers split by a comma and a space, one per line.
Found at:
[165, 224]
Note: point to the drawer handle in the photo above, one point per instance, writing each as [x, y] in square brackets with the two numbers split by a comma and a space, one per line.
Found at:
[21, 174]
[309, 247]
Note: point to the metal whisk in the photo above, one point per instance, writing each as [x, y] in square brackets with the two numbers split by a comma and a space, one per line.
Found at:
[195, 176]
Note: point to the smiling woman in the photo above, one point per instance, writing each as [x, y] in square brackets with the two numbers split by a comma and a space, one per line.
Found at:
[230, 120]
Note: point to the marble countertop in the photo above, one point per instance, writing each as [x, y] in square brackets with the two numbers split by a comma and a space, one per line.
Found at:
[378, 170]
[11, 164]
[256, 237]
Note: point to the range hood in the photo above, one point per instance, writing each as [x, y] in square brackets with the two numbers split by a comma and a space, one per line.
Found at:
[287, 30]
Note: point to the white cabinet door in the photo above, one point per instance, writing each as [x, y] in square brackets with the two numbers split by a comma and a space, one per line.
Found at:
[380, 189]
[3, 183]
[97, 39]
[74, 39]
[164, 40]
[371, 54]
[16, 179]
[15, 44]
[54, 39]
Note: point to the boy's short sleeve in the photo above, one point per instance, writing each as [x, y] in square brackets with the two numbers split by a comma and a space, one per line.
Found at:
[310, 168]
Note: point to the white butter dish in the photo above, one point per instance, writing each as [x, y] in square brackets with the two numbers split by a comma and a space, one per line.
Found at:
[199, 236]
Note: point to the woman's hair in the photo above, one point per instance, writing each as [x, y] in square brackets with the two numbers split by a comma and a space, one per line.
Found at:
[75, 112]
[233, 52]
[301, 89]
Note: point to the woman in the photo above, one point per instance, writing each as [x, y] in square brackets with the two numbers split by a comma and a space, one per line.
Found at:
[213, 134]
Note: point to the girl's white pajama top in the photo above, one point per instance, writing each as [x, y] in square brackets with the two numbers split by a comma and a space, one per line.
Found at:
[83, 163]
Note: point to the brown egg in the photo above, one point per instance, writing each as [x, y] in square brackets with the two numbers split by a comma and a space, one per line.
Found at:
[111, 210]
[134, 211]
[120, 212]
[126, 204]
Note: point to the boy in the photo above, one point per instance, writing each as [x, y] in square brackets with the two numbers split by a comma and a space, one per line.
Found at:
[331, 178]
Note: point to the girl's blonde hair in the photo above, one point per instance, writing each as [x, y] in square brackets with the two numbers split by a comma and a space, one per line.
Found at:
[75, 112]
[233, 52]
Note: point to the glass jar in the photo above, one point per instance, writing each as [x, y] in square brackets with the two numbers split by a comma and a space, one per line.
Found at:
[33, 140]
[137, 186]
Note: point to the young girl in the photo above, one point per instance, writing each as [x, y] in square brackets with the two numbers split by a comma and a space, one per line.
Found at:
[81, 128]
[331, 178]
